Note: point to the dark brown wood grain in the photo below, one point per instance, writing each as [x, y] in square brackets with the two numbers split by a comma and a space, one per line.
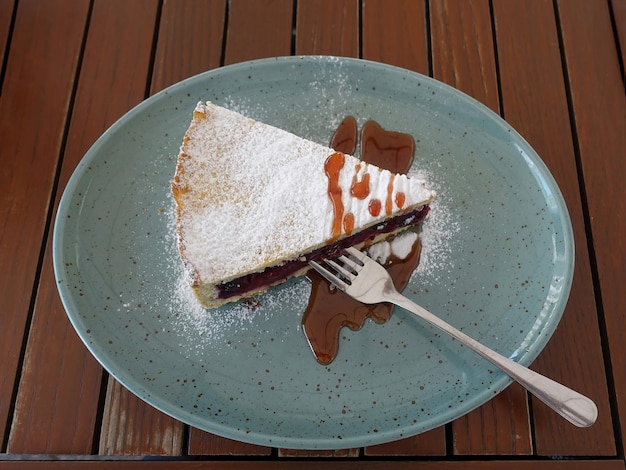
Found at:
[204, 443]
[463, 50]
[618, 8]
[189, 40]
[394, 32]
[258, 29]
[429, 443]
[595, 81]
[499, 427]
[328, 27]
[132, 427]
[57, 403]
[296, 453]
[31, 132]
[51, 417]
[6, 15]
[287, 464]
[535, 103]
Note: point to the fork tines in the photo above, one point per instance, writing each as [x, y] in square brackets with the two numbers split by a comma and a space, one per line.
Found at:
[346, 268]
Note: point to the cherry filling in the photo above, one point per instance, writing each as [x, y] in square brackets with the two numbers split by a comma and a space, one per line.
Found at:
[277, 273]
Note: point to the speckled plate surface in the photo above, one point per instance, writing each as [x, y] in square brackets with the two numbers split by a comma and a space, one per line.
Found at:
[497, 263]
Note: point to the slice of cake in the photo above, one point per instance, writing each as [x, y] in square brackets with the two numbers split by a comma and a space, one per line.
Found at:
[255, 203]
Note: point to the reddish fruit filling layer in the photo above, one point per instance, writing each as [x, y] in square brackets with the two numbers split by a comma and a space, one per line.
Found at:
[275, 274]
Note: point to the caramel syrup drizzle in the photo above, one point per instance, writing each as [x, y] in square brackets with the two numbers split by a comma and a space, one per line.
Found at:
[360, 189]
[329, 309]
[333, 167]
[391, 150]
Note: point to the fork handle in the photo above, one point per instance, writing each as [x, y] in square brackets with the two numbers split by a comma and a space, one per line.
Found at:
[576, 408]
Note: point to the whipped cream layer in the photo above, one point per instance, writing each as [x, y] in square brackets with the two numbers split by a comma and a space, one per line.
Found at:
[250, 194]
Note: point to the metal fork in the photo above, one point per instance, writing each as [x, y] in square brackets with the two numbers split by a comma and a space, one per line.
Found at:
[365, 280]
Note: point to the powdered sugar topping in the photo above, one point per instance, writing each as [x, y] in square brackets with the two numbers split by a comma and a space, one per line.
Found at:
[252, 193]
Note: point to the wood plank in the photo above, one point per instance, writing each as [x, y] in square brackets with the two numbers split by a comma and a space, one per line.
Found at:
[430, 443]
[394, 32]
[258, 29]
[57, 403]
[46, 42]
[189, 41]
[619, 15]
[352, 453]
[204, 443]
[132, 427]
[6, 16]
[464, 57]
[328, 27]
[463, 49]
[499, 427]
[312, 464]
[58, 371]
[535, 103]
[599, 109]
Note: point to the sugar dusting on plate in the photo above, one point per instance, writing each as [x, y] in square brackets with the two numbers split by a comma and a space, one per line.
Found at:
[437, 232]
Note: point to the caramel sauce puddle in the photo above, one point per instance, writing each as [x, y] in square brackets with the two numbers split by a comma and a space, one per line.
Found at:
[329, 309]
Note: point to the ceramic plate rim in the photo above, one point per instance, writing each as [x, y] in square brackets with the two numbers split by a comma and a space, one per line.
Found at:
[99, 352]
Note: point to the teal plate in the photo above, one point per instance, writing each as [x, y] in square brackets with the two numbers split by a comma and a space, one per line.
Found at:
[497, 263]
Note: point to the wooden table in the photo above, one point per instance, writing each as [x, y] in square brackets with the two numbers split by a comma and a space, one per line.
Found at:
[553, 69]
